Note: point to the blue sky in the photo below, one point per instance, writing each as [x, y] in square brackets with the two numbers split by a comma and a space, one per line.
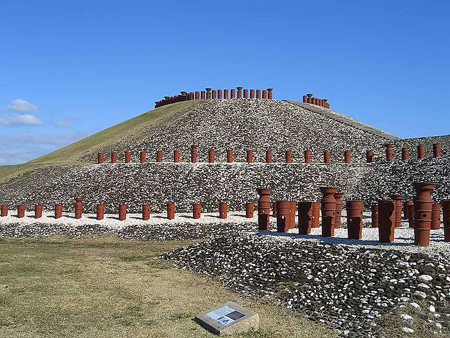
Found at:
[71, 68]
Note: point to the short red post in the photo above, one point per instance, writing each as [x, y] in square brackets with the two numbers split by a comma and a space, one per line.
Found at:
[202, 94]
[194, 153]
[249, 156]
[264, 208]
[143, 156]
[285, 215]
[326, 156]
[239, 92]
[258, 93]
[436, 217]
[337, 217]
[4, 210]
[214, 94]
[436, 149]
[307, 156]
[219, 94]
[20, 211]
[223, 210]
[233, 93]
[410, 206]
[347, 156]
[264, 94]
[100, 211]
[386, 221]
[249, 208]
[315, 214]
[211, 155]
[309, 98]
[328, 211]
[405, 153]
[208, 93]
[374, 210]
[122, 212]
[113, 157]
[229, 156]
[191, 95]
[159, 155]
[58, 211]
[420, 152]
[354, 219]
[369, 156]
[38, 211]
[446, 219]
[78, 208]
[269, 93]
[252, 93]
[225, 94]
[288, 156]
[196, 210]
[170, 210]
[398, 209]
[423, 206]
[245, 93]
[389, 153]
[305, 99]
[146, 212]
[100, 158]
[197, 95]
[176, 156]
[305, 217]
[269, 156]
[127, 157]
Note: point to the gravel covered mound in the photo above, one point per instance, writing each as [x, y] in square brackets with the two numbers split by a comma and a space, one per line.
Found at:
[160, 232]
[345, 288]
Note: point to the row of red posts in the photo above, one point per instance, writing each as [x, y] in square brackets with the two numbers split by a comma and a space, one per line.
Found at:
[210, 93]
[288, 155]
[196, 210]
[422, 213]
[308, 98]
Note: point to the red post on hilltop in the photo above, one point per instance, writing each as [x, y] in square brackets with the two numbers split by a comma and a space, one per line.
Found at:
[230, 156]
[146, 212]
[369, 156]
[78, 208]
[269, 156]
[223, 210]
[264, 208]
[113, 157]
[176, 156]
[159, 155]
[211, 155]
[436, 149]
[100, 211]
[389, 153]
[196, 210]
[423, 207]
[170, 210]
[328, 211]
[249, 156]
[397, 209]
[58, 211]
[100, 158]
[326, 156]
[142, 156]
[307, 156]
[194, 153]
[355, 219]
[249, 208]
[405, 153]
[127, 156]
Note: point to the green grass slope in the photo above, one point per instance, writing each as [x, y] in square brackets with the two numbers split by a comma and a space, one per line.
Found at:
[70, 155]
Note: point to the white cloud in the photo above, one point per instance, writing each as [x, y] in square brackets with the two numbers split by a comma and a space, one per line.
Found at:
[22, 106]
[61, 124]
[19, 120]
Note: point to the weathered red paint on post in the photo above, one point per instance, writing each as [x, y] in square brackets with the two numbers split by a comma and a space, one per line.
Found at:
[100, 158]
[328, 211]
[211, 155]
[245, 93]
[78, 208]
[264, 94]
[223, 210]
[410, 206]
[274, 209]
[436, 149]
[389, 153]
[305, 217]
[219, 94]
[159, 156]
[264, 208]
[176, 156]
[405, 153]
[354, 219]
[269, 93]
[225, 94]
[113, 157]
[288, 156]
[20, 211]
[285, 215]
[347, 156]
[127, 156]
[249, 156]
[170, 210]
[436, 216]
[4, 210]
[420, 152]
[423, 205]
[239, 92]
[191, 95]
[230, 156]
[398, 209]
[202, 94]
[58, 211]
[268, 156]
[196, 210]
[38, 211]
[214, 94]
[386, 221]
[252, 93]
[309, 98]
[100, 211]
[194, 153]
[305, 99]
[338, 214]
[446, 219]
[258, 93]
[233, 93]
[143, 156]
[197, 95]
[307, 156]
[374, 210]
[326, 156]
[122, 212]
[315, 214]
[145, 212]
[208, 93]
[249, 209]
[369, 156]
